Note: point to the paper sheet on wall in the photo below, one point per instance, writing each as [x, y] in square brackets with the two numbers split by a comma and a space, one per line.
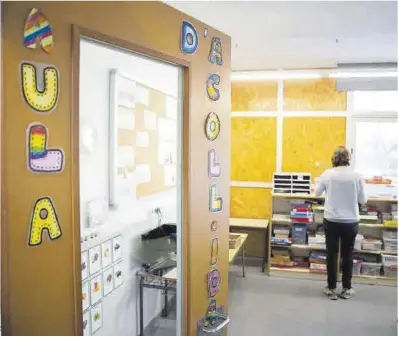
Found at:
[167, 129]
[143, 174]
[169, 175]
[142, 95]
[142, 139]
[167, 153]
[126, 118]
[126, 156]
[126, 92]
[171, 107]
[150, 120]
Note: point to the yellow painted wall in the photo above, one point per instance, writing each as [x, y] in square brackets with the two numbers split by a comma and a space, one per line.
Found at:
[249, 202]
[311, 95]
[253, 148]
[254, 96]
[308, 143]
[252, 203]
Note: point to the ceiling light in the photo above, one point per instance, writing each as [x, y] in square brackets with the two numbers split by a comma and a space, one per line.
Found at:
[273, 75]
[363, 74]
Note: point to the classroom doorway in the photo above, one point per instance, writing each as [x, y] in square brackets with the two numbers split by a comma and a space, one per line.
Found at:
[130, 169]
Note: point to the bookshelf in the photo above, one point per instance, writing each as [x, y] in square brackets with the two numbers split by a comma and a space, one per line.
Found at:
[369, 227]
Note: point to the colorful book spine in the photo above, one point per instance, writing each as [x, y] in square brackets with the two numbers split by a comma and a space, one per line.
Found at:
[301, 220]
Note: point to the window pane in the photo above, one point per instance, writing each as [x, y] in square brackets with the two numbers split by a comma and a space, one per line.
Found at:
[376, 148]
[375, 100]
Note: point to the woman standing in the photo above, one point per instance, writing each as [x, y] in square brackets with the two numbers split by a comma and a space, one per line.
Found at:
[344, 191]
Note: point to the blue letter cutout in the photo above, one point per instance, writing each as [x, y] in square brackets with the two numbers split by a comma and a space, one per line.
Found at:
[215, 54]
[189, 38]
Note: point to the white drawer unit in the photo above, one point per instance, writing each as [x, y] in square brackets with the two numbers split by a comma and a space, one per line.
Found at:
[292, 183]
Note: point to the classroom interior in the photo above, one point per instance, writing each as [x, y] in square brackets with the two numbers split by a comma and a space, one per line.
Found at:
[165, 169]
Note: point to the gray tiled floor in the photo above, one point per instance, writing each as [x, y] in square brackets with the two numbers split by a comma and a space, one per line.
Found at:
[261, 305]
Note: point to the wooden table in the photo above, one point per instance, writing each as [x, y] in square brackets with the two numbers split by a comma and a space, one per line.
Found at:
[233, 252]
[258, 224]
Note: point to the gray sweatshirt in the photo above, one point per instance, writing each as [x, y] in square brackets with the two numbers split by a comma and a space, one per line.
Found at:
[344, 191]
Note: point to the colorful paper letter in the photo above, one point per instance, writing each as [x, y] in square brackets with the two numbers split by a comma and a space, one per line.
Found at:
[189, 38]
[41, 98]
[215, 54]
[38, 30]
[214, 280]
[43, 217]
[214, 226]
[212, 126]
[214, 169]
[214, 251]
[40, 158]
[215, 202]
[211, 87]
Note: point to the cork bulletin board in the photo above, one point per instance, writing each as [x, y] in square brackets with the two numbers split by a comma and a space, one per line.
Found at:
[143, 146]
[156, 117]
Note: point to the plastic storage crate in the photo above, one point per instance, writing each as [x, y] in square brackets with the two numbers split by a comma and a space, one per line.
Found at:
[299, 233]
[389, 260]
[390, 265]
[390, 234]
[390, 244]
[369, 244]
[357, 266]
[358, 242]
[391, 271]
[371, 269]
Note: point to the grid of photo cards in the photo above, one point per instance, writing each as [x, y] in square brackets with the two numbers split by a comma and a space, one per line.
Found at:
[101, 274]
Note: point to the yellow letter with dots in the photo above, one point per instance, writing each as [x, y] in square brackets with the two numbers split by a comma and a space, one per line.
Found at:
[44, 217]
[43, 99]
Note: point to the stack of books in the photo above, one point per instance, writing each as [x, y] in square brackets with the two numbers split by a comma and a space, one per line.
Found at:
[281, 242]
[317, 241]
[301, 213]
[318, 262]
[281, 258]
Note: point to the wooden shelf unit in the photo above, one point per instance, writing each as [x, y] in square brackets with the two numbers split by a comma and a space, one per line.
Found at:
[280, 205]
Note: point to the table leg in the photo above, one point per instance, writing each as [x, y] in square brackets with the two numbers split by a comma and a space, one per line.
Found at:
[141, 293]
[243, 260]
[266, 256]
[165, 308]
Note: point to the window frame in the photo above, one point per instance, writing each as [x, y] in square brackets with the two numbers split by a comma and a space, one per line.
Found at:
[361, 116]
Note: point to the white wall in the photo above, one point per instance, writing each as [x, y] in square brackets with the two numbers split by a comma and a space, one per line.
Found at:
[133, 217]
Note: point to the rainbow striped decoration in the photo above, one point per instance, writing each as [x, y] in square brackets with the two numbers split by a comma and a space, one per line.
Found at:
[37, 142]
[37, 29]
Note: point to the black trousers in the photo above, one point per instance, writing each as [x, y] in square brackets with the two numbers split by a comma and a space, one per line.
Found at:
[347, 233]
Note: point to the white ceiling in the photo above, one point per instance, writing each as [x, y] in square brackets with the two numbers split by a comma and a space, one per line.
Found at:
[298, 34]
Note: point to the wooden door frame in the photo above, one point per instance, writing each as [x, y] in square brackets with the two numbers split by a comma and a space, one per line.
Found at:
[77, 34]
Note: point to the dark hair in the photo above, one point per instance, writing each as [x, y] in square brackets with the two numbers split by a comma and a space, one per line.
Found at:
[340, 157]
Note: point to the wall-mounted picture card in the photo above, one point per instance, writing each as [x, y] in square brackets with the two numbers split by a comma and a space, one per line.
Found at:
[150, 120]
[95, 260]
[106, 252]
[85, 265]
[96, 289]
[96, 315]
[85, 296]
[118, 275]
[108, 281]
[117, 251]
[143, 173]
[86, 323]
